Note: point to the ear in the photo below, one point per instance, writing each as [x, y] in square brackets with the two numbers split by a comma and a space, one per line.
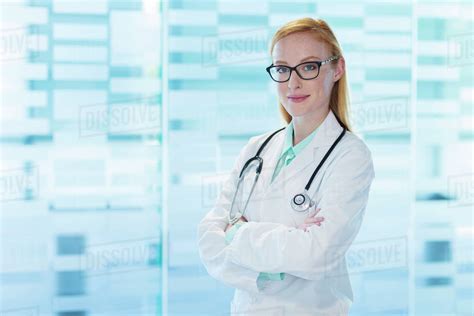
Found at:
[340, 69]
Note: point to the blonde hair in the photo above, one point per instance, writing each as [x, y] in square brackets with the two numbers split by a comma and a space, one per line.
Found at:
[339, 100]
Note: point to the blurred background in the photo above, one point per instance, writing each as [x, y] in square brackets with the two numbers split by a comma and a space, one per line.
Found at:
[121, 118]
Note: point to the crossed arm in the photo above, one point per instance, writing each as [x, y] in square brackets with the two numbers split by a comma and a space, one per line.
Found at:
[310, 220]
[270, 247]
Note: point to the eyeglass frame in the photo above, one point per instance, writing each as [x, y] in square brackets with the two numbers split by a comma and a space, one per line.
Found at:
[319, 63]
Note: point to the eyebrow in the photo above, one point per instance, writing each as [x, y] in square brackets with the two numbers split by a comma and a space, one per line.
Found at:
[302, 60]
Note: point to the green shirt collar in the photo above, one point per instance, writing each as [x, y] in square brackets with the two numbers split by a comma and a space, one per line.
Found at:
[301, 145]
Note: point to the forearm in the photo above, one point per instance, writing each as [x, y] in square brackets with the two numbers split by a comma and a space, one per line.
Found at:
[263, 276]
[274, 247]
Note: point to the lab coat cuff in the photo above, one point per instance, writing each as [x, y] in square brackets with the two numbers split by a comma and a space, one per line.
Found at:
[240, 278]
[272, 276]
[231, 232]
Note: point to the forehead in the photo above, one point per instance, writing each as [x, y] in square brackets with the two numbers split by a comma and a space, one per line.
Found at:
[295, 47]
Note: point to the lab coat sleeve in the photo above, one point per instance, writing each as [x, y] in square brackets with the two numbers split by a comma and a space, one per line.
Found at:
[229, 235]
[313, 254]
[213, 249]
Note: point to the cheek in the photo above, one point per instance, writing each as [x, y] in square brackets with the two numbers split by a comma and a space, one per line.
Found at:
[326, 86]
[282, 89]
[319, 89]
[329, 83]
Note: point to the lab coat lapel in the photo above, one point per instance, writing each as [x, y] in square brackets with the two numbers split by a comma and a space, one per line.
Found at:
[312, 154]
[270, 156]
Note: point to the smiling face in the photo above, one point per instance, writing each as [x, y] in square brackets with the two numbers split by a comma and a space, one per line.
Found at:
[293, 50]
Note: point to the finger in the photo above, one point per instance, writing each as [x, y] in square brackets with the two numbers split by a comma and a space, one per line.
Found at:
[303, 226]
[306, 227]
[311, 221]
[313, 224]
[314, 219]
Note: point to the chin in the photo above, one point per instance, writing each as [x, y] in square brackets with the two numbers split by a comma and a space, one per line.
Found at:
[299, 114]
[296, 111]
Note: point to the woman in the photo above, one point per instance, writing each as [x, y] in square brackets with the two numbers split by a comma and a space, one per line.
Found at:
[279, 257]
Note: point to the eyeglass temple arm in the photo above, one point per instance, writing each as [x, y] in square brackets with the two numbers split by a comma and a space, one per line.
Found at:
[330, 59]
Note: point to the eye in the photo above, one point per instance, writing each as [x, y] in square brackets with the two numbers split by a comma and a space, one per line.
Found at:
[281, 69]
[310, 67]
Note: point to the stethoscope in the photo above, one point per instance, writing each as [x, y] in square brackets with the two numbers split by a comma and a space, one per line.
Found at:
[301, 202]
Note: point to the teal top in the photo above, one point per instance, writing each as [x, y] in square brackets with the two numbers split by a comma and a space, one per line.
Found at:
[289, 153]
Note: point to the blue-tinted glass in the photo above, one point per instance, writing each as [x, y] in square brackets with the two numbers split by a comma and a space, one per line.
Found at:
[72, 313]
[70, 244]
[70, 283]
[430, 29]
[438, 251]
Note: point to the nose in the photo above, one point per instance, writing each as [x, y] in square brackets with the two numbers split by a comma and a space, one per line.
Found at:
[294, 81]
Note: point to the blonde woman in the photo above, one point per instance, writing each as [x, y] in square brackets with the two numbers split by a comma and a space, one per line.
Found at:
[263, 236]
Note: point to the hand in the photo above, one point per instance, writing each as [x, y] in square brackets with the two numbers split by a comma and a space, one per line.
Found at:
[311, 220]
[243, 219]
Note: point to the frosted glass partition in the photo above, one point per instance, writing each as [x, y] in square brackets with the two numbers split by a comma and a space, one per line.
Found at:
[121, 118]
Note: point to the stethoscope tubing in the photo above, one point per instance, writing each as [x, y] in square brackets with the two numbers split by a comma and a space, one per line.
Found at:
[301, 202]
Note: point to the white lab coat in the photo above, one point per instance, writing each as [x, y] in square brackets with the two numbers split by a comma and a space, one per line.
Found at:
[316, 278]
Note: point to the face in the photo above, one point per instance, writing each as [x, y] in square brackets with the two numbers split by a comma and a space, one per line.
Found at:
[293, 50]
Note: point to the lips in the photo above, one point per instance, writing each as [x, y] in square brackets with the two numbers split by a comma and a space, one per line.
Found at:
[297, 98]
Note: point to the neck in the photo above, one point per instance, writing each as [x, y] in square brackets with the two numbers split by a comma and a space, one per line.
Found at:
[305, 125]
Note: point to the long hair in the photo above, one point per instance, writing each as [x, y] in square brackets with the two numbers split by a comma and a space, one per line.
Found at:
[339, 100]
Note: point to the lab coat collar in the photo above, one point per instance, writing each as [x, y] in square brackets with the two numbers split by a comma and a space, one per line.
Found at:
[312, 154]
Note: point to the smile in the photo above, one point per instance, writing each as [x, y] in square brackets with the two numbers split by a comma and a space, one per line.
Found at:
[298, 99]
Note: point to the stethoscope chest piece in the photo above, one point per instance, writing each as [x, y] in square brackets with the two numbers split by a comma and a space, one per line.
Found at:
[301, 202]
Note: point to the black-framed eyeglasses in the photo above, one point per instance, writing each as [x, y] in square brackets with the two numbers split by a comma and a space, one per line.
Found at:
[306, 71]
